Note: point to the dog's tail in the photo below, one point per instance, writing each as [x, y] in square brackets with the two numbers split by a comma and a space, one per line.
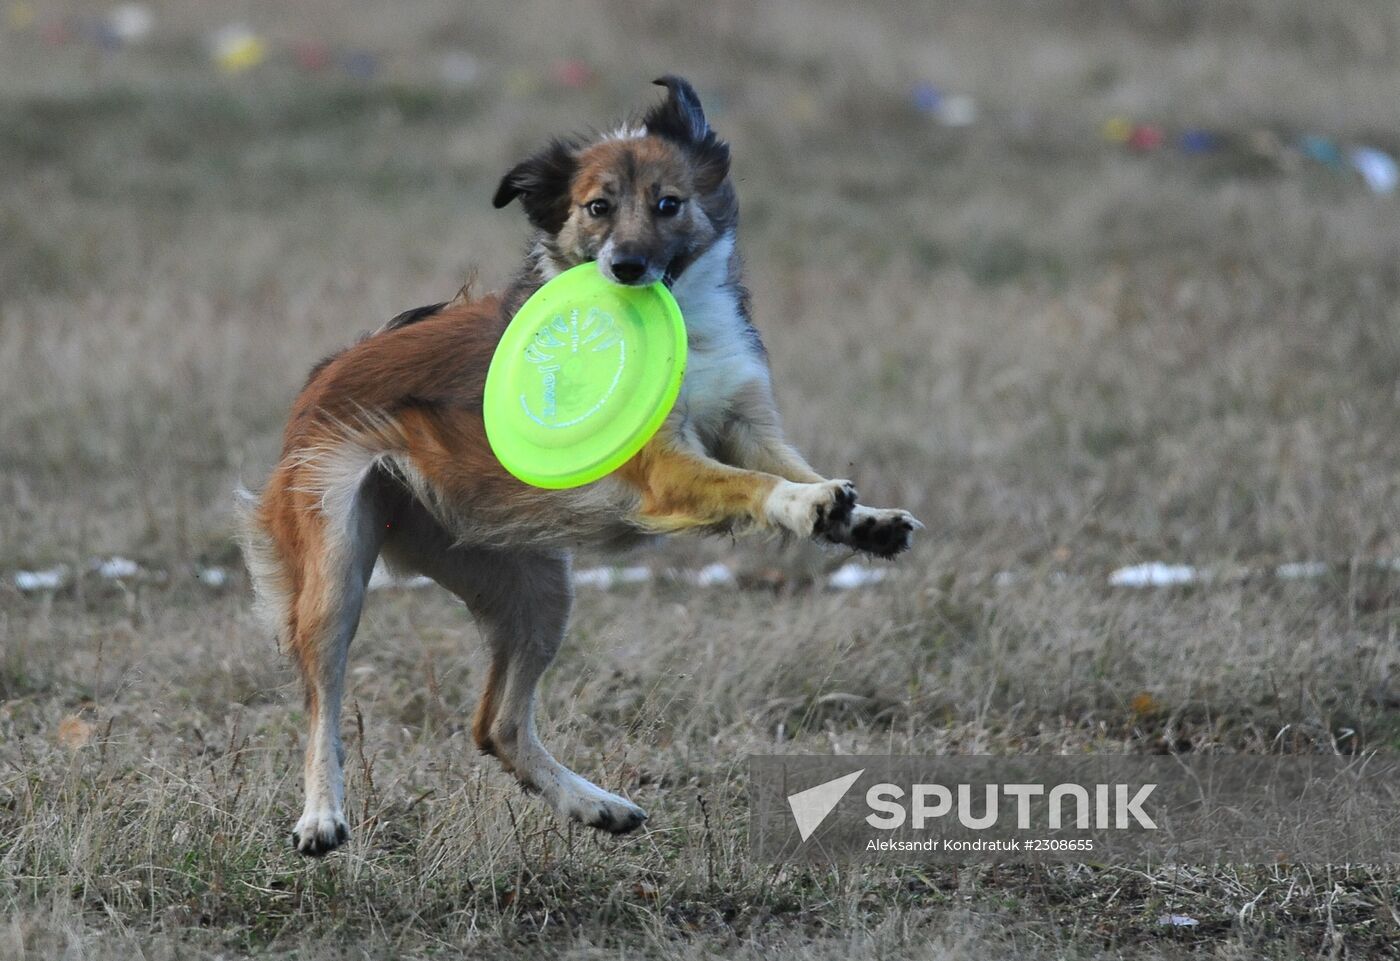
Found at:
[272, 591]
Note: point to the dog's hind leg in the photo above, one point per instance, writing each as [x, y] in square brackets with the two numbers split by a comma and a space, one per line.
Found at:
[521, 600]
[524, 628]
[326, 547]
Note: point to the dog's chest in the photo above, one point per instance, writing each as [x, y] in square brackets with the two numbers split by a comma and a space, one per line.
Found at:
[723, 355]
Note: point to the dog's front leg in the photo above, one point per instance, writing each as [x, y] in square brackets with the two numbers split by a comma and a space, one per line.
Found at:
[753, 439]
[681, 487]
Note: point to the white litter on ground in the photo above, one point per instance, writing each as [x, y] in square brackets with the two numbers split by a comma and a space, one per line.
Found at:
[116, 568]
[711, 575]
[606, 578]
[131, 22]
[50, 579]
[458, 68]
[849, 576]
[1154, 574]
[1177, 921]
[853, 575]
[1302, 570]
[957, 110]
[1377, 168]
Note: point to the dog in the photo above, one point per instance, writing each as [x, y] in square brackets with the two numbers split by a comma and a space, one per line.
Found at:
[385, 454]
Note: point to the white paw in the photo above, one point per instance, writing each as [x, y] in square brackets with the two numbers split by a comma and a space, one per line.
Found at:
[320, 832]
[808, 509]
[589, 804]
[883, 532]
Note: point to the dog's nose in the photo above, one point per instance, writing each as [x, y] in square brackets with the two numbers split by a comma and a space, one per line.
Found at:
[628, 268]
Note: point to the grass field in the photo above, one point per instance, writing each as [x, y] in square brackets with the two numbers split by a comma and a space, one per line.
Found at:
[1063, 357]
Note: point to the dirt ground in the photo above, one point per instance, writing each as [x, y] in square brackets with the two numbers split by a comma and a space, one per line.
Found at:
[1065, 357]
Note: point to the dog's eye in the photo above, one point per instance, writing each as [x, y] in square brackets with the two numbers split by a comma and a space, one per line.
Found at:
[668, 206]
[598, 208]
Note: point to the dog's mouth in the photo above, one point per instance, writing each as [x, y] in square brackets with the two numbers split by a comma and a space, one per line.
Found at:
[677, 267]
[668, 275]
[630, 272]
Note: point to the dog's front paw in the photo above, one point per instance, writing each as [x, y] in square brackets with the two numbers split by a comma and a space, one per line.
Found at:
[320, 832]
[613, 814]
[882, 532]
[583, 801]
[810, 509]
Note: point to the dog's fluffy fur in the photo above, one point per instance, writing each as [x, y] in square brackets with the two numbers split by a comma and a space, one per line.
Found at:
[385, 453]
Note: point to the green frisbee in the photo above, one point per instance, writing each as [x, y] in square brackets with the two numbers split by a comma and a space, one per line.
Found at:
[582, 378]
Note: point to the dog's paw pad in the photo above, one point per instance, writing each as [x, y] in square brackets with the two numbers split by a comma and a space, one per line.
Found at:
[884, 533]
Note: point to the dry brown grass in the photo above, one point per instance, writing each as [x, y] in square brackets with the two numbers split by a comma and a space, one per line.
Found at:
[1063, 358]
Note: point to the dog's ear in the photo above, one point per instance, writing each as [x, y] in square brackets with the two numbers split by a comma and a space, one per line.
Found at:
[542, 184]
[679, 116]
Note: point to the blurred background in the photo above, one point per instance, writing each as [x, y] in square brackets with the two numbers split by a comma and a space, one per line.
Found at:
[1097, 269]
[1106, 291]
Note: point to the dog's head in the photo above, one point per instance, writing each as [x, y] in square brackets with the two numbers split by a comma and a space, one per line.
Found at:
[643, 201]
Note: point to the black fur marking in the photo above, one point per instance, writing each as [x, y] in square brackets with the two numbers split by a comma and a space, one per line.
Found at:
[319, 366]
[542, 184]
[414, 315]
[402, 320]
[746, 310]
[414, 401]
[838, 515]
[678, 266]
[680, 119]
[755, 340]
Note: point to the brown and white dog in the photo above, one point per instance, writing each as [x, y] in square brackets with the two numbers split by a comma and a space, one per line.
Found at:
[385, 454]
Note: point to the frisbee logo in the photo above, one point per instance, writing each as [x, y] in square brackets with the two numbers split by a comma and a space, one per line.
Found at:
[558, 343]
